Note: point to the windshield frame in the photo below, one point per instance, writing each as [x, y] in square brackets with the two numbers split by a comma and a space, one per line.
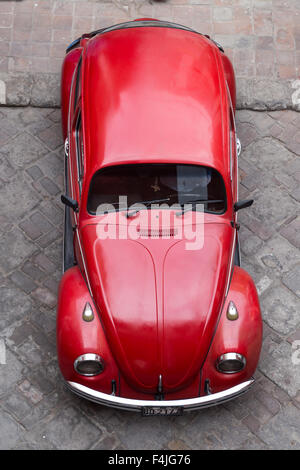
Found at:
[103, 169]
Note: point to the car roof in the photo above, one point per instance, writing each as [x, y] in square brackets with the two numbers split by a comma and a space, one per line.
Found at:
[153, 94]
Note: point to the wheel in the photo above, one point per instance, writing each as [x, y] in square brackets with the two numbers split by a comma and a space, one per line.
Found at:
[237, 257]
[68, 250]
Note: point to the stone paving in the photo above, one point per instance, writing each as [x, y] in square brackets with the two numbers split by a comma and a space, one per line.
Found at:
[36, 411]
[262, 37]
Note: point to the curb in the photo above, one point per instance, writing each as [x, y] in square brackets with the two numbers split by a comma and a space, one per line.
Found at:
[43, 90]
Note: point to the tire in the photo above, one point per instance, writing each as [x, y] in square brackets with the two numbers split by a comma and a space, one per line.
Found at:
[68, 249]
[237, 257]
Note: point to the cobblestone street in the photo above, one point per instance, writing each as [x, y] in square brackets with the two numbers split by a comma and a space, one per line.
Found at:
[37, 412]
[262, 38]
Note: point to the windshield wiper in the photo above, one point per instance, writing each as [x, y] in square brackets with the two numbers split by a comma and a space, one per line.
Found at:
[145, 203]
[125, 208]
[202, 201]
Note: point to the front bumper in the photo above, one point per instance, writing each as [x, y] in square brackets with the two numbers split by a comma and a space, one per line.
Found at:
[137, 405]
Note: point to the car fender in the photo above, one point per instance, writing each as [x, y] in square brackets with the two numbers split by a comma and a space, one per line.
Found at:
[243, 335]
[76, 336]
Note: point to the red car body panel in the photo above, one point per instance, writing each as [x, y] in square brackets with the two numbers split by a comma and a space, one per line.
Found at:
[75, 337]
[135, 114]
[243, 336]
[153, 95]
[142, 286]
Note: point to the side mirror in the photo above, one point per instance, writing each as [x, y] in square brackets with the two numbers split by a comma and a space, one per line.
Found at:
[68, 201]
[242, 204]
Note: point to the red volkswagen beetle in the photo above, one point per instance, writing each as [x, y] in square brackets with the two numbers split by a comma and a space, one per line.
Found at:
[148, 320]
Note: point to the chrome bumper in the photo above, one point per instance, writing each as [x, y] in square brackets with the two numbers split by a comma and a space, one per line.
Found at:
[189, 404]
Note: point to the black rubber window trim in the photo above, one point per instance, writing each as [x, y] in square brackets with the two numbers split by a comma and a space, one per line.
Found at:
[140, 24]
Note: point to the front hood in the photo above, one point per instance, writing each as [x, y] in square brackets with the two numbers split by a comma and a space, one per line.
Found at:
[159, 303]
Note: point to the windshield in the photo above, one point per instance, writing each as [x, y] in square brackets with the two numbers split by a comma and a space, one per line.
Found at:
[161, 183]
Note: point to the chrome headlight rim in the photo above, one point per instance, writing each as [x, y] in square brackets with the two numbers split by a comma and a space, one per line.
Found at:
[89, 357]
[231, 356]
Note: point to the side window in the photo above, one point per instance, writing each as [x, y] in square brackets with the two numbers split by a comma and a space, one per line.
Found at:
[78, 83]
[233, 153]
[79, 150]
[231, 141]
[232, 135]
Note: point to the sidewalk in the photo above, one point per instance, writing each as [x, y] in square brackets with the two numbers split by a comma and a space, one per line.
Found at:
[262, 38]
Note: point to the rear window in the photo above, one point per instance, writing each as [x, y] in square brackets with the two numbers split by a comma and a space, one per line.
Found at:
[158, 183]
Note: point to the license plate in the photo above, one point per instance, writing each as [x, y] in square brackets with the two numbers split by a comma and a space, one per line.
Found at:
[162, 411]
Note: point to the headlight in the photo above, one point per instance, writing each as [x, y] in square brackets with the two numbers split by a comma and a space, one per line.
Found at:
[231, 363]
[89, 365]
